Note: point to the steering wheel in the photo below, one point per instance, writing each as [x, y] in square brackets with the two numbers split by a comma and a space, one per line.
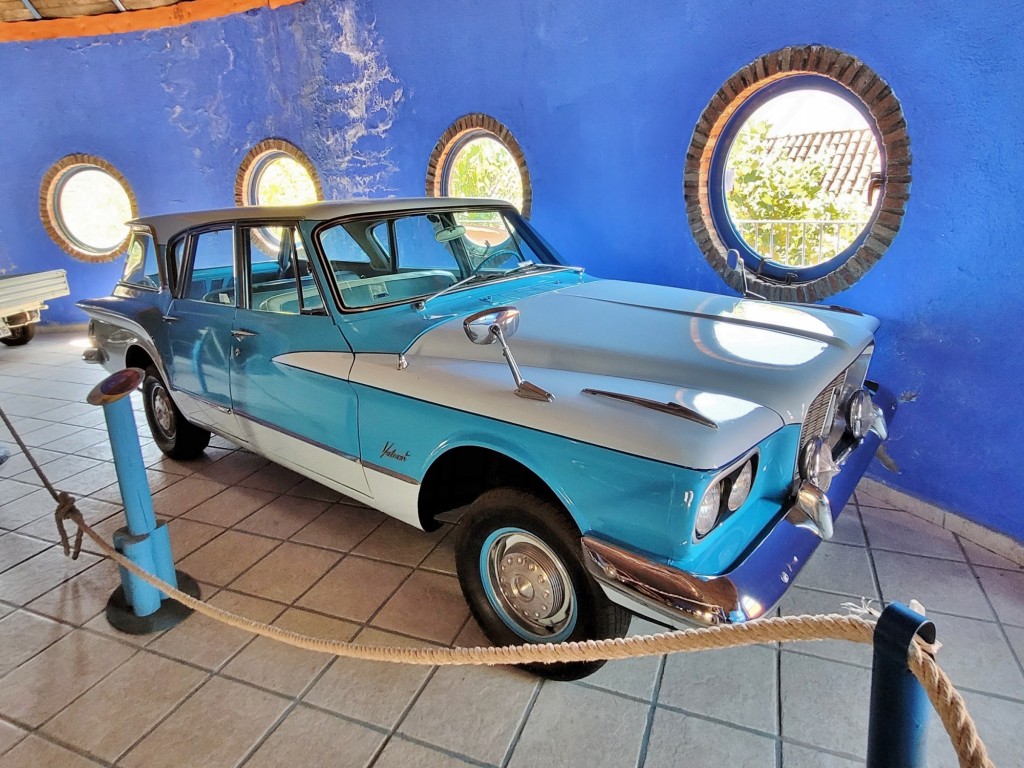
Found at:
[506, 253]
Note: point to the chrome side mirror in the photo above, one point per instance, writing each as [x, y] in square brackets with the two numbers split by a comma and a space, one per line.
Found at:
[479, 325]
[735, 262]
[496, 325]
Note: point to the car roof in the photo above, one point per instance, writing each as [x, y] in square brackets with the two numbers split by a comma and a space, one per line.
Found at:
[169, 224]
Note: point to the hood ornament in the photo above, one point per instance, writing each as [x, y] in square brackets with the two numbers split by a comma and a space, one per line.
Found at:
[495, 325]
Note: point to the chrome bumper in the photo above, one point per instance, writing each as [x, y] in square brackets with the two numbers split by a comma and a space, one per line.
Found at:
[758, 579]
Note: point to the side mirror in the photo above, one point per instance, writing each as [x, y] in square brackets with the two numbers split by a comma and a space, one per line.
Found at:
[735, 262]
[479, 326]
[495, 325]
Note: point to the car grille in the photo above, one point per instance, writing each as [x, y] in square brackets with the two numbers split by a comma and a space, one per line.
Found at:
[820, 415]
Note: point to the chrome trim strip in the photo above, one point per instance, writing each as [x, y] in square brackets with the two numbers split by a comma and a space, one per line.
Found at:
[390, 473]
[673, 409]
[297, 436]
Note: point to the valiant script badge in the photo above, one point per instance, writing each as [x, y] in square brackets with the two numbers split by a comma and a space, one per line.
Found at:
[391, 453]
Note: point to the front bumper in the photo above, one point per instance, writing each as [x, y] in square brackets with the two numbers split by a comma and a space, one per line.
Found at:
[758, 579]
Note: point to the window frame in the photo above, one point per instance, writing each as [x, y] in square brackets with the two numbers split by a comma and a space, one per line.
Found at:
[886, 119]
[243, 260]
[257, 158]
[719, 209]
[463, 130]
[161, 274]
[49, 211]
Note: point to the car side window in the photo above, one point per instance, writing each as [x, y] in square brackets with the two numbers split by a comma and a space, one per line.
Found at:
[140, 263]
[213, 267]
[423, 242]
[280, 276]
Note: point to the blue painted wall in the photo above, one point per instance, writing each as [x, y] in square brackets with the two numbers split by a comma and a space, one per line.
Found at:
[603, 101]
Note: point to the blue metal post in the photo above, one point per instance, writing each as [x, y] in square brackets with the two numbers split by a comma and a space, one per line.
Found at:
[899, 705]
[143, 540]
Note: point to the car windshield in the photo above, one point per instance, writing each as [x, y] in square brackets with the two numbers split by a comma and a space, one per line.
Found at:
[395, 258]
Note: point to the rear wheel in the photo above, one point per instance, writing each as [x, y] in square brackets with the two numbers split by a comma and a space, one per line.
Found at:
[21, 335]
[521, 570]
[172, 432]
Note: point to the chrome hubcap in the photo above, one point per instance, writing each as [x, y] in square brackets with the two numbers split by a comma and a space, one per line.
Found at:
[532, 584]
[163, 412]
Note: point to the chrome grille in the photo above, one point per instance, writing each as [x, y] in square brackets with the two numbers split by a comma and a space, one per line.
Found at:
[820, 415]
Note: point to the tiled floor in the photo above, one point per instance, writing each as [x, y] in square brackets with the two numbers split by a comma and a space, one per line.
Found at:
[267, 544]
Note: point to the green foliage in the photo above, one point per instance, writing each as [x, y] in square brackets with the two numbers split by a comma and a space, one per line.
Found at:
[769, 186]
[485, 168]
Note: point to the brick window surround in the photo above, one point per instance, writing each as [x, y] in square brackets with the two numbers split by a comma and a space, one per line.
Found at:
[253, 163]
[48, 214]
[465, 129]
[890, 127]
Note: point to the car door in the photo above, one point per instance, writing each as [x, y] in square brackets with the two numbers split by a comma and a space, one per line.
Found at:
[198, 325]
[290, 363]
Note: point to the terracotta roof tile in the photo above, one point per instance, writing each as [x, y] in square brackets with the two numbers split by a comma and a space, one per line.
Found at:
[852, 156]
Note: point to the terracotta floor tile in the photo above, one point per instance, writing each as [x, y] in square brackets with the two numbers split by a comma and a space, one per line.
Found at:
[223, 559]
[15, 548]
[398, 542]
[229, 506]
[341, 527]
[355, 588]
[314, 739]
[41, 573]
[209, 643]
[23, 635]
[180, 497]
[273, 477]
[400, 753]
[286, 572]
[35, 752]
[283, 517]
[233, 467]
[572, 725]
[10, 735]
[215, 727]
[44, 685]
[940, 585]
[79, 599]
[456, 696]
[353, 687]
[112, 715]
[188, 535]
[282, 667]
[428, 605]
[674, 735]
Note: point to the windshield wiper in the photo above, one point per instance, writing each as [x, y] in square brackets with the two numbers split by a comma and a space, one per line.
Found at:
[422, 303]
[532, 265]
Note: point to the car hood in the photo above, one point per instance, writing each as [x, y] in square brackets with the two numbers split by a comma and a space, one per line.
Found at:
[776, 355]
[748, 366]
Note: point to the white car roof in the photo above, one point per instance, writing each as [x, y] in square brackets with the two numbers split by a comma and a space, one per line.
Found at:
[169, 224]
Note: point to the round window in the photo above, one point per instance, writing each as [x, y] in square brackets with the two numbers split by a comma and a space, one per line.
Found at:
[478, 157]
[275, 172]
[804, 171]
[85, 204]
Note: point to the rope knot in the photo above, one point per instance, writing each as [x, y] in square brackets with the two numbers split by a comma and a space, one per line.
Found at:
[66, 510]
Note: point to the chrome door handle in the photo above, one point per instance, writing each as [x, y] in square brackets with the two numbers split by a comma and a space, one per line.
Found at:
[170, 318]
[241, 333]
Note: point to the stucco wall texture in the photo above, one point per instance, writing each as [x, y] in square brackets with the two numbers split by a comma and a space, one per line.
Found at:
[603, 101]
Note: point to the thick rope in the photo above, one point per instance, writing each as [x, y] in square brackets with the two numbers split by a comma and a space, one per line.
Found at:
[948, 702]
[65, 501]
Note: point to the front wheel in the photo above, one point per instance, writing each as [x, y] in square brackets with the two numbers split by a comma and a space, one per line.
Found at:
[172, 432]
[21, 335]
[521, 570]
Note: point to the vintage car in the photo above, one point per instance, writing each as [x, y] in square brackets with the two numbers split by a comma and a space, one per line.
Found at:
[615, 447]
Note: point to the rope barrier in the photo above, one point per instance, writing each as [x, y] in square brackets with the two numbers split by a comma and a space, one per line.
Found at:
[947, 701]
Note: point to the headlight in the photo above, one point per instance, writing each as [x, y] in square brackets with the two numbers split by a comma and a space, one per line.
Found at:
[816, 464]
[860, 413]
[741, 486]
[707, 513]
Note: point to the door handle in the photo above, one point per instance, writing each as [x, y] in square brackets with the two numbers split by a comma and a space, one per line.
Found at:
[241, 333]
[170, 318]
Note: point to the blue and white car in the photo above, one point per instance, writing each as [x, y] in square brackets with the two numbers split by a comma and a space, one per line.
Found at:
[615, 447]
